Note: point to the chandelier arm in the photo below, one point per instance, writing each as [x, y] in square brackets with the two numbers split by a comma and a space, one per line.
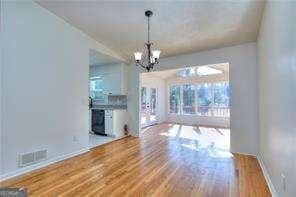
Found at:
[143, 66]
[151, 65]
[140, 64]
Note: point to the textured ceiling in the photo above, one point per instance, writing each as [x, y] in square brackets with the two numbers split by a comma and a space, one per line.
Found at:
[176, 27]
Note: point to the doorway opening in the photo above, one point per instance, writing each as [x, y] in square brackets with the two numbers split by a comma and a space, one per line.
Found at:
[152, 97]
[198, 97]
[103, 82]
[148, 105]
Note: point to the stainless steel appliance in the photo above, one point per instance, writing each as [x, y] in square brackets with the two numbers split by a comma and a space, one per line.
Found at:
[98, 121]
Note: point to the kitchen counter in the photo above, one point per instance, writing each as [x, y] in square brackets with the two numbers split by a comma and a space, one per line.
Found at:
[110, 107]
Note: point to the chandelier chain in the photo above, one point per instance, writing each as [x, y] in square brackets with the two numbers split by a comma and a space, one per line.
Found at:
[152, 56]
[148, 30]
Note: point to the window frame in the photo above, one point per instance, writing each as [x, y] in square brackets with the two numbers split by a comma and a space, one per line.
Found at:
[168, 99]
[181, 84]
[212, 98]
[182, 100]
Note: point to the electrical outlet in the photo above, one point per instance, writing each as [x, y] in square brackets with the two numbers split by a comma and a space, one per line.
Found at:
[284, 185]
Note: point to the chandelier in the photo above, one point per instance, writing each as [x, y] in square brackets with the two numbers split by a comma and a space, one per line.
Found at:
[150, 57]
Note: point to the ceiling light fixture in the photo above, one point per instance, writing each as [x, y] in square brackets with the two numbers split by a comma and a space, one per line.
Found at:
[151, 56]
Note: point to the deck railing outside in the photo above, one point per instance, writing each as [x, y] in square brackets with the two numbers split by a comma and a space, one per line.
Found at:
[216, 111]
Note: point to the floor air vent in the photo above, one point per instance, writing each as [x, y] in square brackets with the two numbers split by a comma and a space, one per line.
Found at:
[32, 158]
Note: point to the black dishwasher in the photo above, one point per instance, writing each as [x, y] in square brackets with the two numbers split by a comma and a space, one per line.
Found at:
[98, 121]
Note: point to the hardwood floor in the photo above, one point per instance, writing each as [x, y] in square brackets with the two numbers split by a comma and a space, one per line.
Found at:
[169, 160]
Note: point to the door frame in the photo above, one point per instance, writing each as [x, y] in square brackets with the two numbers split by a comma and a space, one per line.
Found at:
[147, 112]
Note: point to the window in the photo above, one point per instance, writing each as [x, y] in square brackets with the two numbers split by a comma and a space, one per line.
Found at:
[206, 70]
[198, 71]
[188, 99]
[95, 87]
[174, 99]
[187, 72]
[221, 99]
[204, 92]
[153, 101]
[212, 99]
[143, 98]
[221, 94]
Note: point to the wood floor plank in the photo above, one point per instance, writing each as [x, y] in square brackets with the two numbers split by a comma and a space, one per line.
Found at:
[168, 160]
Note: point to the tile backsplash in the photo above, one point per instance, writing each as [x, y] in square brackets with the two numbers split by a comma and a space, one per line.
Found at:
[117, 99]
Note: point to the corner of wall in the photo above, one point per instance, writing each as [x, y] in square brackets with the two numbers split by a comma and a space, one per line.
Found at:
[267, 177]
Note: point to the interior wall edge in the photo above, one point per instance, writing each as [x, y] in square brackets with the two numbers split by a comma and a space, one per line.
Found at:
[267, 176]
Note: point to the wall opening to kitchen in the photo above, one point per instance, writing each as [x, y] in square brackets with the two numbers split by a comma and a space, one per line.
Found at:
[107, 99]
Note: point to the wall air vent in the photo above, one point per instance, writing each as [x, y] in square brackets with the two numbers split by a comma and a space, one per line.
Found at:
[26, 159]
[40, 155]
[32, 158]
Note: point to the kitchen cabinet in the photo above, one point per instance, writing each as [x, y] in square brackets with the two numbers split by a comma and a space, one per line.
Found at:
[111, 79]
[111, 83]
[109, 122]
[114, 122]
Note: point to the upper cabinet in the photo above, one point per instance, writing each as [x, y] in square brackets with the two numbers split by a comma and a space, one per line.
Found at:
[111, 83]
[108, 80]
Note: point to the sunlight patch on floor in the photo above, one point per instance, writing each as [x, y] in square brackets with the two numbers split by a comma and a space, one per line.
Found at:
[172, 132]
[216, 141]
[152, 118]
[143, 120]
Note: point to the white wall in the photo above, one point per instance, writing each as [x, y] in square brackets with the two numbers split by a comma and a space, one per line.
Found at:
[159, 84]
[104, 69]
[1, 84]
[277, 93]
[45, 84]
[242, 65]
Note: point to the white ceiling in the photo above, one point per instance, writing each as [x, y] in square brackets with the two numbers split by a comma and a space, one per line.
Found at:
[177, 27]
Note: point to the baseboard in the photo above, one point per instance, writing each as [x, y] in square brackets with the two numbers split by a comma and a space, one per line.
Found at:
[27, 169]
[265, 173]
[115, 139]
[267, 177]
